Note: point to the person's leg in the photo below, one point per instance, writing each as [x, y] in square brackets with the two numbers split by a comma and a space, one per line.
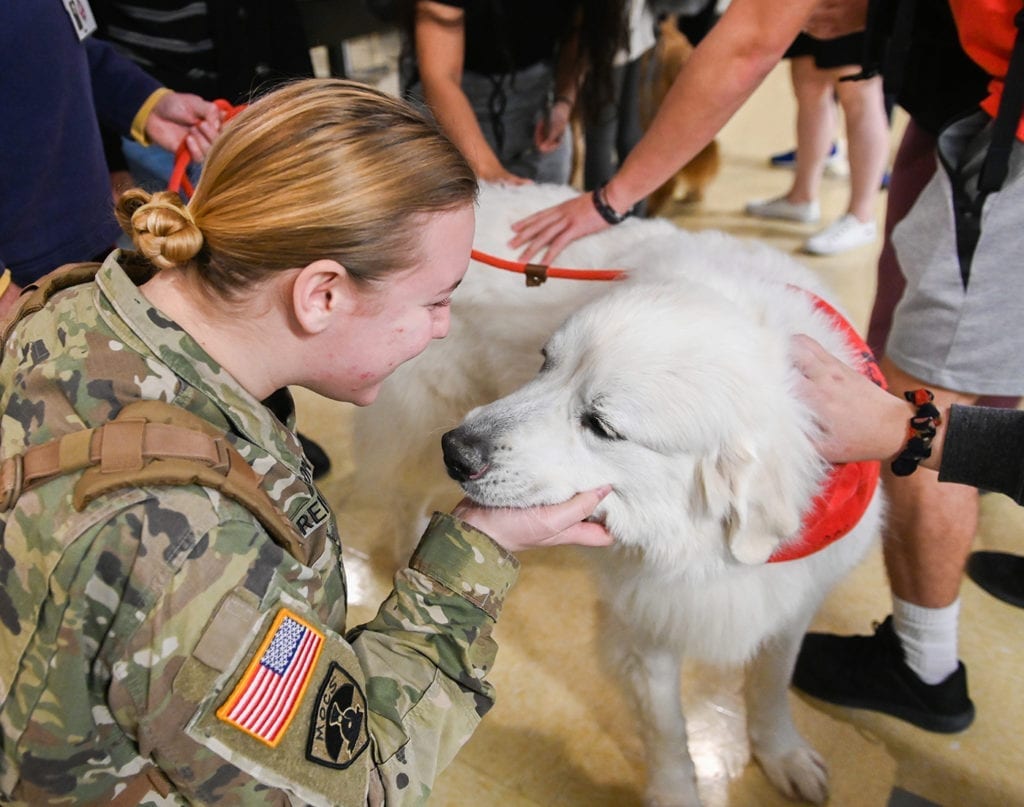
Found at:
[931, 524]
[867, 138]
[867, 131]
[909, 668]
[815, 127]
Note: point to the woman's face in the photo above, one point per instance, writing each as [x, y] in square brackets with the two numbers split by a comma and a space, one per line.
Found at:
[396, 319]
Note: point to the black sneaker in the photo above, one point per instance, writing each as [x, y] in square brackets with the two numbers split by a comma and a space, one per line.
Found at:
[868, 672]
[1000, 574]
[316, 455]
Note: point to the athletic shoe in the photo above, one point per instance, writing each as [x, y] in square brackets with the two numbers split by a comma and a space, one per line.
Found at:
[1000, 574]
[869, 672]
[844, 234]
[779, 208]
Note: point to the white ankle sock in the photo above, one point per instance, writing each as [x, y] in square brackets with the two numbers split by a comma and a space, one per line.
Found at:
[929, 638]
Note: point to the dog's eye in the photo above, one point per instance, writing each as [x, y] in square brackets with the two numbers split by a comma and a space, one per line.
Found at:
[593, 423]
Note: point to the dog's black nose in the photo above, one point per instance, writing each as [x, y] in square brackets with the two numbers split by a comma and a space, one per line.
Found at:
[465, 455]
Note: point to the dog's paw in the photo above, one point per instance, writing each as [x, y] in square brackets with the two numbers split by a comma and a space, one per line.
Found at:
[799, 773]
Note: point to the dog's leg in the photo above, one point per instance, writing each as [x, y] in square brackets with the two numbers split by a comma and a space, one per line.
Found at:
[651, 674]
[786, 758]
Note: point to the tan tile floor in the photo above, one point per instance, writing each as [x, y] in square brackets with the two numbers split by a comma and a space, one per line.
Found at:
[561, 733]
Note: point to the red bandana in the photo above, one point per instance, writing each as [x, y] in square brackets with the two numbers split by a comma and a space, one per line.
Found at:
[848, 488]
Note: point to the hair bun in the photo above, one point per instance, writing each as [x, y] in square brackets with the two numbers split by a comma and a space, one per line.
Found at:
[161, 227]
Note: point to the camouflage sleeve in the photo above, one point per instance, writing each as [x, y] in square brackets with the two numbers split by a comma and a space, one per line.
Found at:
[442, 609]
[170, 652]
[240, 686]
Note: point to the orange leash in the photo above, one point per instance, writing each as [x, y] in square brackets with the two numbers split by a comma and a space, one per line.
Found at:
[179, 181]
[537, 273]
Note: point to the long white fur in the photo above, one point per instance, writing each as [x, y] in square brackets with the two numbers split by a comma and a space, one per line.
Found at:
[688, 361]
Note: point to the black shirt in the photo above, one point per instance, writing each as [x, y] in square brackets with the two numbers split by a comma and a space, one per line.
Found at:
[503, 36]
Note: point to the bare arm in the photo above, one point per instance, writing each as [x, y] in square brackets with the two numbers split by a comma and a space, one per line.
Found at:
[440, 53]
[568, 78]
[723, 71]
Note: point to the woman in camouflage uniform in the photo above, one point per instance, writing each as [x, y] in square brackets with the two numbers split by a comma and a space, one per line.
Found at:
[158, 644]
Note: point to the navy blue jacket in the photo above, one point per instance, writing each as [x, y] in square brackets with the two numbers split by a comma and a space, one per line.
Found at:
[55, 197]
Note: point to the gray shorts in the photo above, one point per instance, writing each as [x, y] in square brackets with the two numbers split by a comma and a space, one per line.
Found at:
[967, 340]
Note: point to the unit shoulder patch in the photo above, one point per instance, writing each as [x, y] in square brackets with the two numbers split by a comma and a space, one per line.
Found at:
[337, 731]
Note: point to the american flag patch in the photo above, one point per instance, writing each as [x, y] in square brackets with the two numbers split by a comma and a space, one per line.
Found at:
[265, 700]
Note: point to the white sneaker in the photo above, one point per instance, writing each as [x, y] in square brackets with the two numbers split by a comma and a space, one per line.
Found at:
[779, 208]
[846, 233]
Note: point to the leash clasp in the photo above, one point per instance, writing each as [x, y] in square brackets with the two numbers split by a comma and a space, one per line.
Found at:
[536, 274]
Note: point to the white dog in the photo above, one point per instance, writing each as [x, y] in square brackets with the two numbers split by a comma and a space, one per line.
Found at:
[675, 387]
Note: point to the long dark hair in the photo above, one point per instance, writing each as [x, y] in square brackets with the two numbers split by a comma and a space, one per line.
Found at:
[603, 32]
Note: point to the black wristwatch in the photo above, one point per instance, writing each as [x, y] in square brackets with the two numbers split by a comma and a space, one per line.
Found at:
[608, 213]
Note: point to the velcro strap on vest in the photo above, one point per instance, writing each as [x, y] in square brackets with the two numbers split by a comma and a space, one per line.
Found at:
[121, 445]
[149, 443]
[34, 296]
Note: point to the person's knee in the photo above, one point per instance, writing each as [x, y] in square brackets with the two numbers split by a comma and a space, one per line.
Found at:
[861, 99]
[815, 88]
[900, 381]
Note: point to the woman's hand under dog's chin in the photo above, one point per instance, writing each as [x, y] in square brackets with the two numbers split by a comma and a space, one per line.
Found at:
[517, 529]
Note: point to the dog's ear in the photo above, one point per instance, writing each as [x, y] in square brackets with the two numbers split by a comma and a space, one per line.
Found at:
[736, 486]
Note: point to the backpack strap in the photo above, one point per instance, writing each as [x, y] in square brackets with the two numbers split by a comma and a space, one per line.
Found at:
[1004, 131]
[148, 443]
[34, 296]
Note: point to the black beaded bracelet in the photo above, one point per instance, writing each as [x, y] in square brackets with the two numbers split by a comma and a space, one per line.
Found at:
[607, 212]
[920, 432]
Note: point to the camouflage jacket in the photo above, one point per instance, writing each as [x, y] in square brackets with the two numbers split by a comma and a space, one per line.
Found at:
[158, 646]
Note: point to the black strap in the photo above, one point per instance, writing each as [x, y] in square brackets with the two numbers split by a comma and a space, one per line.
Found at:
[967, 209]
[1004, 128]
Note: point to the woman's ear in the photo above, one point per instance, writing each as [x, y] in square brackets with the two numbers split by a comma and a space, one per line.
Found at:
[320, 292]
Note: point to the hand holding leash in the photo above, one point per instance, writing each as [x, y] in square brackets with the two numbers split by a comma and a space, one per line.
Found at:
[183, 119]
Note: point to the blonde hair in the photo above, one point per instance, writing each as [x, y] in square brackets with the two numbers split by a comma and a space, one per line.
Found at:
[321, 168]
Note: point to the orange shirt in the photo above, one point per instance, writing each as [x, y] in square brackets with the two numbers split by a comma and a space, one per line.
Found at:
[987, 34]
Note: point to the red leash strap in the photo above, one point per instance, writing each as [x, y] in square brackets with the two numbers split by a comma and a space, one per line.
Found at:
[537, 273]
[179, 181]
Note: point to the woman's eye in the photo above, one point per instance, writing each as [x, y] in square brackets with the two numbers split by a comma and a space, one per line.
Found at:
[592, 422]
[447, 301]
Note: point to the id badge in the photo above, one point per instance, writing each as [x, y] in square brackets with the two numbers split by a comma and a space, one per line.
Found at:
[81, 16]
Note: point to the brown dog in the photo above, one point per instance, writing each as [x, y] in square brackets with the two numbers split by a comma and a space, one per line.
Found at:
[658, 69]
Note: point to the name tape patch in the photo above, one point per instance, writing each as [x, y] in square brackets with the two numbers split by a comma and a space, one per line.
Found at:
[264, 701]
